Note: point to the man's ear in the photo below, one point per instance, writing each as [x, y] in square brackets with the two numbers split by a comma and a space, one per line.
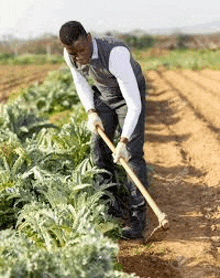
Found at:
[89, 37]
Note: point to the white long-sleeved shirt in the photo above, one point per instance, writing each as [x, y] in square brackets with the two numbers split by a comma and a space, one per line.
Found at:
[120, 67]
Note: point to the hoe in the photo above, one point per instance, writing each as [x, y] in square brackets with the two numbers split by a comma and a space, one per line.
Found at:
[158, 232]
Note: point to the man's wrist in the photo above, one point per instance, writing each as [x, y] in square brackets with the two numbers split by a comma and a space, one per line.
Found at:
[124, 140]
[90, 111]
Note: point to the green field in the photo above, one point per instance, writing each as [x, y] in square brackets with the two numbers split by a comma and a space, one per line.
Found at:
[150, 59]
[28, 59]
[178, 59]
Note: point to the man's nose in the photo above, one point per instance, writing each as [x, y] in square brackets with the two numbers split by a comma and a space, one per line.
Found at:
[77, 58]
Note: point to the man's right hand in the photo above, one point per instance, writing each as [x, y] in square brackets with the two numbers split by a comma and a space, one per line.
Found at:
[94, 121]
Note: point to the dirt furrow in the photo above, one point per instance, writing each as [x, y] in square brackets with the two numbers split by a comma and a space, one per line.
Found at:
[184, 153]
[212, 74]
[8, 72]
[199, 142]
[37, 75]
[11, 80]
[205, 105]
[205, 83]
[22, 76]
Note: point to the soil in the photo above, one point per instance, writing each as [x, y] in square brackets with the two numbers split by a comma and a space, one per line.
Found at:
[15, 77]
[182, 146]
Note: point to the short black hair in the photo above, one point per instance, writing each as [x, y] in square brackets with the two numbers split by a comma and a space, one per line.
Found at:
[71, 31]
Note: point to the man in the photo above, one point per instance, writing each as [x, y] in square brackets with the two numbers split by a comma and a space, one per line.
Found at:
[117, 99]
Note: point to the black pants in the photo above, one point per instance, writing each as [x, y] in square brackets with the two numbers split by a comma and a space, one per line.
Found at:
[112, 114]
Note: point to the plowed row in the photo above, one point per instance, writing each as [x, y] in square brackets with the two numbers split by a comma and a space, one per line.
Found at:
[16, 76]
[195, 100]
[182, 144]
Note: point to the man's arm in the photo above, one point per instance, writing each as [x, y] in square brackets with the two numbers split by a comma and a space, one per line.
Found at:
[84, 91]
[120, 67]
[86, 96]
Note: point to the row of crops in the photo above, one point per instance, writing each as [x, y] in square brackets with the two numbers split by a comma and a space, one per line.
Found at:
[27, 59]
[53, 217]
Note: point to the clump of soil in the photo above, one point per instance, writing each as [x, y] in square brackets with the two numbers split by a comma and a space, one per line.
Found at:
[144, 264]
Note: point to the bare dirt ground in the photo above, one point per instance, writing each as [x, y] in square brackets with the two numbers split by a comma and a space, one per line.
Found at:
[14, 77]
[182, 144]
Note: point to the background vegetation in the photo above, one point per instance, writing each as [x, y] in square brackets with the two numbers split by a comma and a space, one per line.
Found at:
[154, 59]
[170, 51]
[150, 59]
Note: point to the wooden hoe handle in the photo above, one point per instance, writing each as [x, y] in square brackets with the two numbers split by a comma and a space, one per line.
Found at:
[162, 218]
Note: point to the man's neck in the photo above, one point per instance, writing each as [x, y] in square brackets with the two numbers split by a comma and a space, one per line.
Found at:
[94, 49]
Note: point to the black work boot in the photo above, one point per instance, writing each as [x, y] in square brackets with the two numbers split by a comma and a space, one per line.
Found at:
[136, 225]
[115, 209]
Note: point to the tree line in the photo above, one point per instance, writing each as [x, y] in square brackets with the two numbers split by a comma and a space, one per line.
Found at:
[51, 45]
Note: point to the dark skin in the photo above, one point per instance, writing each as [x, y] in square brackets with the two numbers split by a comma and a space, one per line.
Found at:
[81, 50]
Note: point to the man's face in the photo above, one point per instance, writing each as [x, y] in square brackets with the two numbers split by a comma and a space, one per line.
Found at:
[81, 50]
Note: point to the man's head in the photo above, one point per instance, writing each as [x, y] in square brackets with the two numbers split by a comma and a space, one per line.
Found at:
[76, 41]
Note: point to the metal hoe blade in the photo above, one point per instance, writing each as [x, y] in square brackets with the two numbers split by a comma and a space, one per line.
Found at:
[160, 232]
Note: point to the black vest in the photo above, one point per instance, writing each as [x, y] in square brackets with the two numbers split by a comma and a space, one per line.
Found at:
[98, 69]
